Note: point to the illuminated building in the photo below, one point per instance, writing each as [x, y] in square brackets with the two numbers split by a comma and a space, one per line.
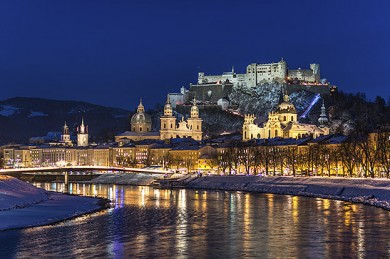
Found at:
[283, 123]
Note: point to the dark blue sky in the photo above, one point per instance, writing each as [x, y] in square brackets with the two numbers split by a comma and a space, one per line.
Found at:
[114, 52]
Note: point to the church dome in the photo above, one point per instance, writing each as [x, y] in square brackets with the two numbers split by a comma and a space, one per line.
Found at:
[286, 106]
[141, 118]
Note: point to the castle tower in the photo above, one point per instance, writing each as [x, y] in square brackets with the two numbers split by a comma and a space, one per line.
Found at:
[323, 120]
[65, 137]
[195, 123]
[168, 122]
[82, 135]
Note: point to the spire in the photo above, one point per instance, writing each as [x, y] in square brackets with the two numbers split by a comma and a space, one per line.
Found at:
[168, 100]
[232, 69]
[323, 120]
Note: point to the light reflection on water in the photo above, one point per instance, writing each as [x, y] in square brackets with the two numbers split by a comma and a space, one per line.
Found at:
[147, 222]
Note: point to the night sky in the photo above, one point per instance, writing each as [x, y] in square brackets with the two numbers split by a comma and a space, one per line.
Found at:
[114, 52]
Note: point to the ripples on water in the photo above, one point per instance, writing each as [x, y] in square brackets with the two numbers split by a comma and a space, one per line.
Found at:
[147, 222]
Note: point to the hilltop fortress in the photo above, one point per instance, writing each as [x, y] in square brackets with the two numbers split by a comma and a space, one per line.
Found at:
[215, 89]
[257, 74]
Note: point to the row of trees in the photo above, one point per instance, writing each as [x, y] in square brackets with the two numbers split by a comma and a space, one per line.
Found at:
[353, 157]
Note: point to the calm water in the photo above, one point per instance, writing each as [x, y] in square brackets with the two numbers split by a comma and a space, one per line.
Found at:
[146, 222]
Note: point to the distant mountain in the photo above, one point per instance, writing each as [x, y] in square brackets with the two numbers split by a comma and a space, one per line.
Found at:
[22, 118]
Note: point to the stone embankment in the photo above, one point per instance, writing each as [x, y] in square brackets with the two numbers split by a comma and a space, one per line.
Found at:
[374, 192]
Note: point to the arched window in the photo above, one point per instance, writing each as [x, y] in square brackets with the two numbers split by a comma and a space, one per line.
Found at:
[258, 135]
[133, 128]
[140, 128]
[197, 127]
[171, 126]
[292, 118]
[284, 118]
[269, 133]
[165, 125]
[251, 136]
[245, 134]
[276, 133]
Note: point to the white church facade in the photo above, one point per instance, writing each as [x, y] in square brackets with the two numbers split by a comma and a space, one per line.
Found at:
[283, 123]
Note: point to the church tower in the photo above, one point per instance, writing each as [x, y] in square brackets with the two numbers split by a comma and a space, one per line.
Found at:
[195, 123]
[168, 122]
[323, 120]
[65, 137]
[82, 135]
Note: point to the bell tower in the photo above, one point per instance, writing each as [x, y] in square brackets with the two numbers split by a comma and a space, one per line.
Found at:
[168, 122]
[195, 123]
[82, 135]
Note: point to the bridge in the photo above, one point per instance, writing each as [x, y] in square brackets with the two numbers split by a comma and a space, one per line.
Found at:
[15, 171]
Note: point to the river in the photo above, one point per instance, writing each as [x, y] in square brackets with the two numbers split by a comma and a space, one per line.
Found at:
[149, 223]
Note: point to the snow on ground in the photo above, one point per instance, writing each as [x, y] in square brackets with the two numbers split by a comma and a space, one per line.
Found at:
[37, 114]
[368, 191]
[16, 194]
[23, 205]
[8, 110]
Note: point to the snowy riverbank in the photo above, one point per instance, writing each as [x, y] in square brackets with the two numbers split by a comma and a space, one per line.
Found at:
[374, 192]
[23, 205]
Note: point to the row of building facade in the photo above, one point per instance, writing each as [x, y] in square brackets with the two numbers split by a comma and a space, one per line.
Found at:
[330, 155]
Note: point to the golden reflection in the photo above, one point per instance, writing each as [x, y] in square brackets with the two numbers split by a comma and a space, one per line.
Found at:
[156, 193]
[326, 206]
[246, 223]
[347, 215]
[295, 212]
[204, 203]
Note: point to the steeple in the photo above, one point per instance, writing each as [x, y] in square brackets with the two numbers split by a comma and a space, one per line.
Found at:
[323, 120]
[82, 126]
[82, 134]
